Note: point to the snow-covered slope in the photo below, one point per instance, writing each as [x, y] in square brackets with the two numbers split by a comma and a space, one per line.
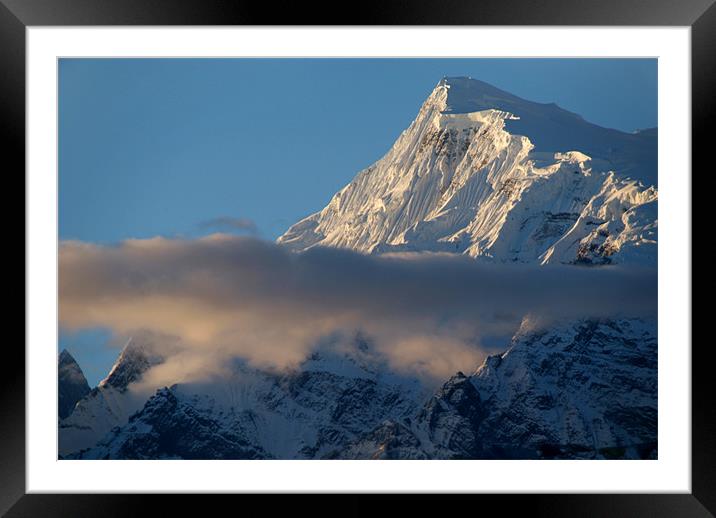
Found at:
[71, 384]
[110, 403]
[169, 427]
[588, 387]
[583, 389]
[311, 411]
[575, 390]
[485, 173]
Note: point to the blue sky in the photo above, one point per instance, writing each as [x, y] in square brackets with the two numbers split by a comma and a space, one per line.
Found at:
[158, 147]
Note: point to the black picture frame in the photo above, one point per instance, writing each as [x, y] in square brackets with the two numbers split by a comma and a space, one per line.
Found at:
[700, 15]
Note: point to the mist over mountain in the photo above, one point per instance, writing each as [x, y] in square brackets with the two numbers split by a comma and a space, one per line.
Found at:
[360, 333]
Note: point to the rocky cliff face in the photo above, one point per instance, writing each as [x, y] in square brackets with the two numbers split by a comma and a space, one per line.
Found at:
[110, 403]
[169, 428]
[312, 411]
[577, 390]
[72, 385]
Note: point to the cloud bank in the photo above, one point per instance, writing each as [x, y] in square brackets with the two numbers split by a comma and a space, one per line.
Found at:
[226, 296]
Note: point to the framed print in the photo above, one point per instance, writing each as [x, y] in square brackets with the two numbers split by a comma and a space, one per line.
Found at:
[435, 251]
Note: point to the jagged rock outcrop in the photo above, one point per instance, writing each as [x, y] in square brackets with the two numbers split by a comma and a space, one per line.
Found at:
[71, 384]
[110, 403]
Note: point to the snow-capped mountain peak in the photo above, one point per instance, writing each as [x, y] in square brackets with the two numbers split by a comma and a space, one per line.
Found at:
[111, 402]
[484, 173]
[465, 95]
[135, 359]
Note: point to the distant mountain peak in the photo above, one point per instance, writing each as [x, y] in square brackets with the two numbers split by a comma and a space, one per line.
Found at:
[65, 358]
[111, 403]
[136, 358]
[71, 383]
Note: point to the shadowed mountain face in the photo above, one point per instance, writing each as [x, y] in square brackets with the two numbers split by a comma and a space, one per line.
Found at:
[584, 389]
[72, 385]
[577, 390]
[479, 172]
[111, 402]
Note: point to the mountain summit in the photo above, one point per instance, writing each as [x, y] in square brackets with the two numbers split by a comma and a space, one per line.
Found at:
[484, 173]
[111, 402]
[71, 384]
